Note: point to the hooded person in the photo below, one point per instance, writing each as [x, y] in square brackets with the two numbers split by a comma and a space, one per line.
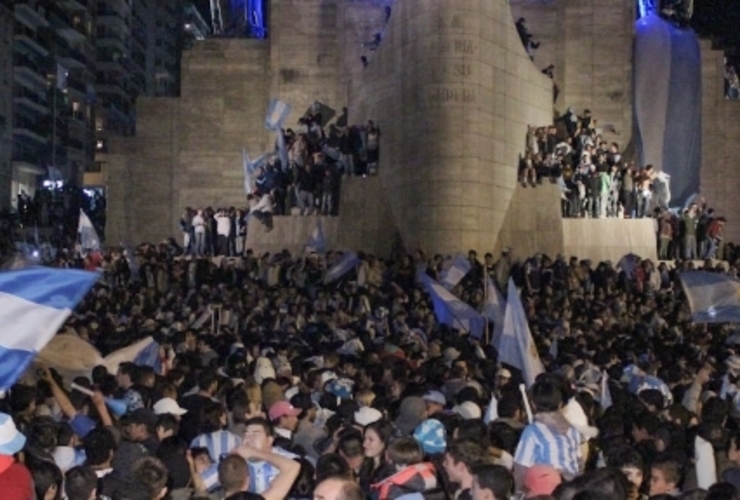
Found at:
[411, 413]
[16, 482]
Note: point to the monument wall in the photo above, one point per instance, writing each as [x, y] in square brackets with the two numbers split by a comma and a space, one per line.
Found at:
[720, 183]
[453, 92]
[590, 44]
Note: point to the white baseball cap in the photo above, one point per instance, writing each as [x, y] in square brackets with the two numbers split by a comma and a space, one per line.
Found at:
[168, 405]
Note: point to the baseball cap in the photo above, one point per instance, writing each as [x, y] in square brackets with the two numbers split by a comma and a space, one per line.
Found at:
[540, 479]
[435, 397]
[168, 405]
[468, 410]
[11, 440]
[282, 409]
[366, 416]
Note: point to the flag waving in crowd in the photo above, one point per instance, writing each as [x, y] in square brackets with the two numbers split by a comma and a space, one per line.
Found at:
[515, 345]
[88, 236]
[34, 303]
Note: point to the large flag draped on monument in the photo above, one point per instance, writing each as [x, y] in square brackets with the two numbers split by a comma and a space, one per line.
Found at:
[316, 242]
[494, 309]
[452, 311]
[88, 236]
[34, 304]
[713, 297]
[347, 263]
[459, 267]
[515, 345]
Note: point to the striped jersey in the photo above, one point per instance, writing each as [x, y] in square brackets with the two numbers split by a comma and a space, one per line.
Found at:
[541, 445]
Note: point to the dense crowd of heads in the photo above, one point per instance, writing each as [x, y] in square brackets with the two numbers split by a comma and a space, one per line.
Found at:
[273, 382]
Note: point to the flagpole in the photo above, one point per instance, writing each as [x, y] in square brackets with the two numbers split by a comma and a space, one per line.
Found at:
[485, 301]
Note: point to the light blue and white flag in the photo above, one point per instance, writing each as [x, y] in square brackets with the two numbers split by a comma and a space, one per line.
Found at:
[516, 346]
[492, 410]
[554, 348]
[459, 267]
[277, 112]
[606, 393]
[494, 309]
[88, 236]
[316, 242]
[34, 304]
[347, 263]
[62, 75]
[250, 167]
[452, 311]
[145, 352]
[713, 297]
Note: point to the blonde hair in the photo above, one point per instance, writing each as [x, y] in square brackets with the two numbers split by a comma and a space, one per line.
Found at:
[365, 397]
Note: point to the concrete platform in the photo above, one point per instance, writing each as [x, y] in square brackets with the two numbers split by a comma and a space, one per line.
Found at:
[609, 239]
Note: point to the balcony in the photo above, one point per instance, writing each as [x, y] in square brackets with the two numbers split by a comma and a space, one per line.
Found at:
[29, 131]
[112, 41]
[32, 101]
[29, 78]
[73, 5]
[25, 41]
[30, 16]
[113, 89]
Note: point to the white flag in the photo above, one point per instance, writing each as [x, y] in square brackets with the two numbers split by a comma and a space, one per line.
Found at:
[516, 346]
[88, 236]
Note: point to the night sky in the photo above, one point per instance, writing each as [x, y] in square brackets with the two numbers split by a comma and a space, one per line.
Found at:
[719, 20]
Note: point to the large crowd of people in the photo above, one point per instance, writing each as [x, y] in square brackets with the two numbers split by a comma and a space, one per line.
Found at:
[299, 388]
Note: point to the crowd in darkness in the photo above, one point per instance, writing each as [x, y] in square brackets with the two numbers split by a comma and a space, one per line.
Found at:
[301, 388]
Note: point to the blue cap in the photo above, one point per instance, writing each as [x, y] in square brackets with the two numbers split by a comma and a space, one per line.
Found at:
[432, 436]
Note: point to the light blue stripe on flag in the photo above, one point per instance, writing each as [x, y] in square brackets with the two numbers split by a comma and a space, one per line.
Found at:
[34, 303]
[348, 262]
[88, 236]
[316, 241]
[452, 311]
[458, 269]
[277, 112]
[516, 346]
[149, 356]
[713, 297]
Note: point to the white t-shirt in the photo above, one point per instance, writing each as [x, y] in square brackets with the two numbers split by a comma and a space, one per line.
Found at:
[223, 225]
[199, 224]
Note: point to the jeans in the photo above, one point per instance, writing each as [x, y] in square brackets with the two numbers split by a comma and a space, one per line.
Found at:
[347, 163]
[304, 200]
[604, 205]
[689, 247]
[200, 243]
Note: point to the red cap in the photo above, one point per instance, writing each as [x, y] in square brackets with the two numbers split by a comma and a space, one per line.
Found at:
[283, 409]
[541, 480]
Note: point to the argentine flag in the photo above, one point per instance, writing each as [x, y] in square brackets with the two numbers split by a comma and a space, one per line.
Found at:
[347, 263]
[713, 297]
[250, 166]
[316, 242]
[458, 269]
[515, 345]
[145, 352]
[494, 309]
[452, 311]
[277, 112]
[88, 236]
[34, 304]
